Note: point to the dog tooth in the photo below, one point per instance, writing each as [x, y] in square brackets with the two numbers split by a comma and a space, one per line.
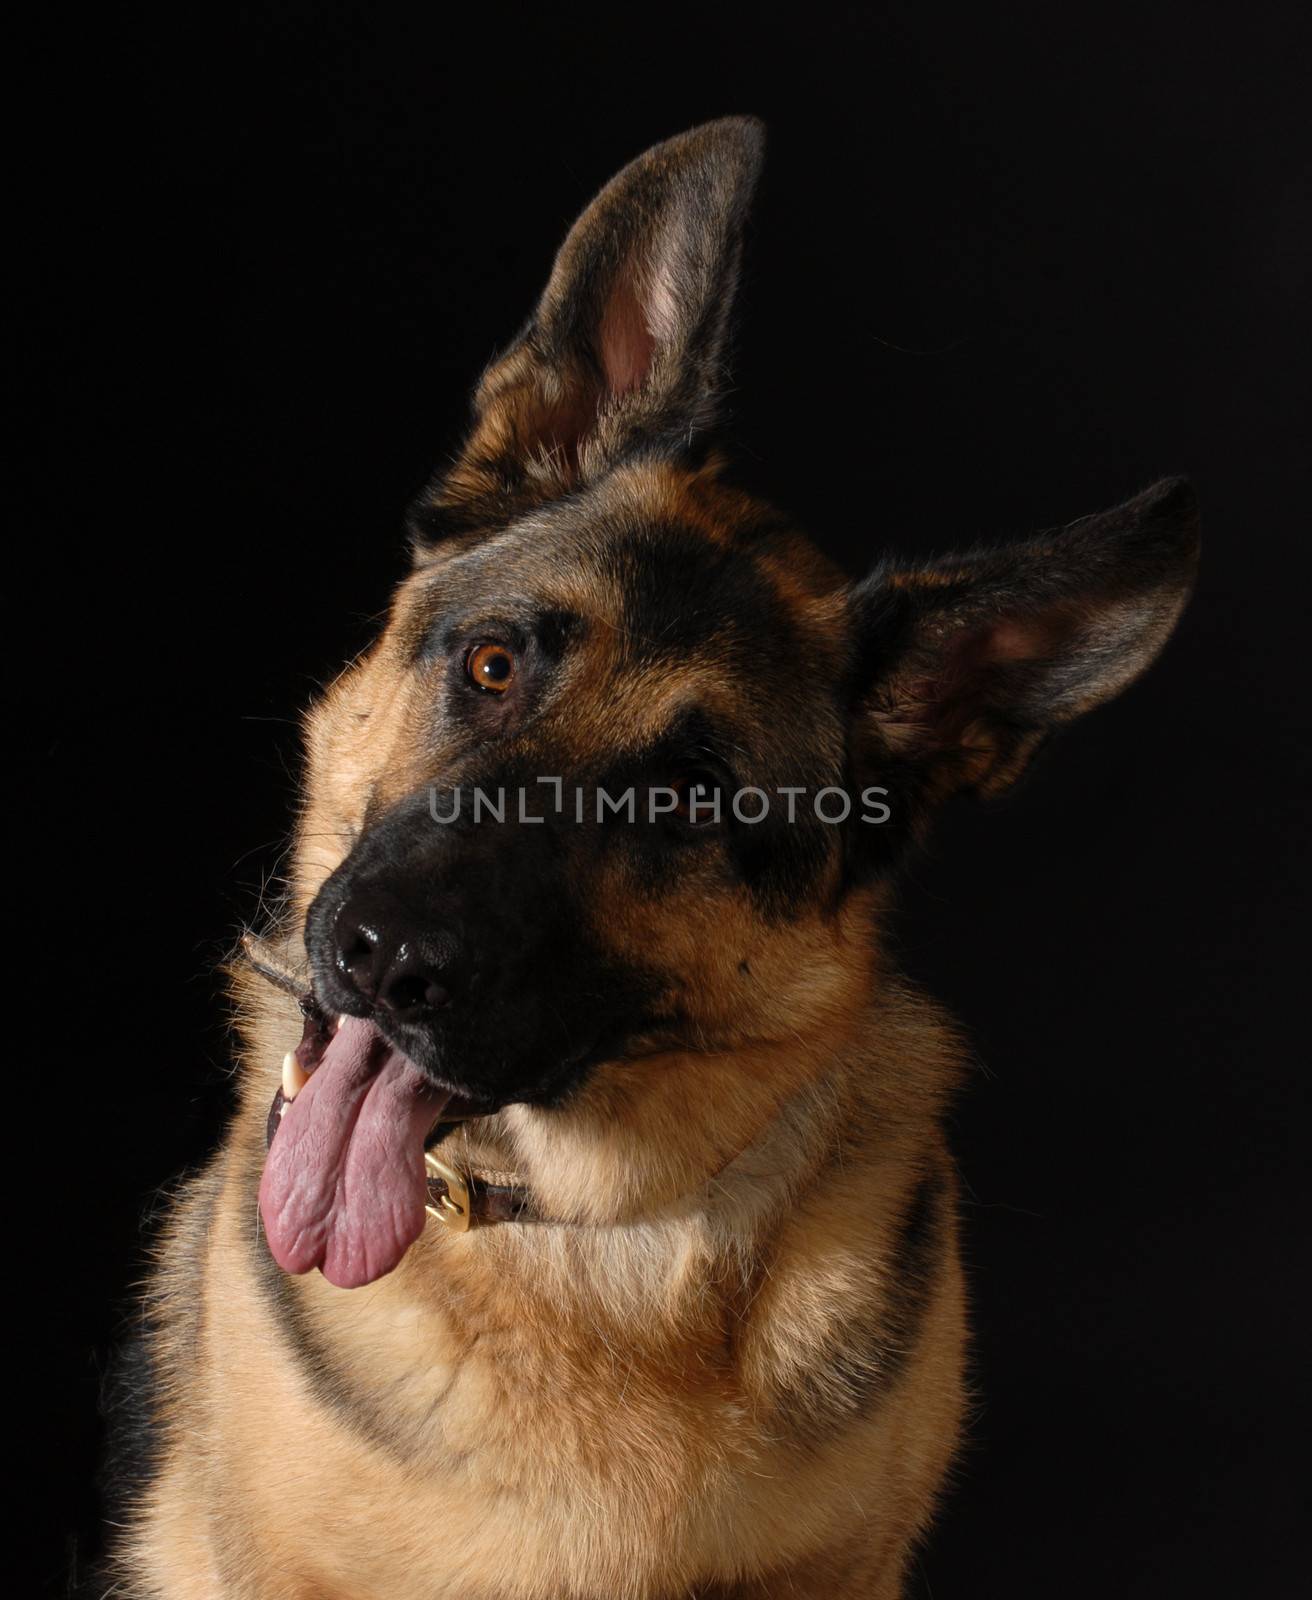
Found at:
[341, 1021]
[294, 1076]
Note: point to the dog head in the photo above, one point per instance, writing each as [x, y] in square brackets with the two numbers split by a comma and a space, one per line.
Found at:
[626, 774]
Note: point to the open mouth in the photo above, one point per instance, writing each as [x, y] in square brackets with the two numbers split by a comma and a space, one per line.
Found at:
[344, 1184]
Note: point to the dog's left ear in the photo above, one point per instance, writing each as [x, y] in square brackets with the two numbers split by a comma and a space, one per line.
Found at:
[624, 353]
[965, 666]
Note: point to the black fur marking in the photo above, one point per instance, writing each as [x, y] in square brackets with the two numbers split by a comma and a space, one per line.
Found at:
[685, 598]
[867, 1359]
[132, 1434]
[681, 592]
[136, 1415]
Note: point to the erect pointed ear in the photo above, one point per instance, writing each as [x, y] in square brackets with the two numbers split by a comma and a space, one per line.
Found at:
[968, 664]
[625, 349]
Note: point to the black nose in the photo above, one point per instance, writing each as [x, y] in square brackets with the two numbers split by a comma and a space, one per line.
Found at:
[389, 958]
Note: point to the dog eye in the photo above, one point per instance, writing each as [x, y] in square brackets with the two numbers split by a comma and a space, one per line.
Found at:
[702, 790]
[491, 667]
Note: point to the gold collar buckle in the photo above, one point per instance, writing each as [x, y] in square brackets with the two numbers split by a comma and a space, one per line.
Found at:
[448, 1194]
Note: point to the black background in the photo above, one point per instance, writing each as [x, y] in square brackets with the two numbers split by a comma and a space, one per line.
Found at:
[1008, 266]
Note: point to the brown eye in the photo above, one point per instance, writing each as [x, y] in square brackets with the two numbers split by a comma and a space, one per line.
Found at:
[701, 798]
[490, 666]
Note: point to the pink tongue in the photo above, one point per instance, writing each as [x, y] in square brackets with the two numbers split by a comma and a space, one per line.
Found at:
[344, 1184]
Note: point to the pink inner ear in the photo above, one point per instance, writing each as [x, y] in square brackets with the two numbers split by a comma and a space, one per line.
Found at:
[1031, 638]
[625, 342]
[945, 699]
[1013, 641]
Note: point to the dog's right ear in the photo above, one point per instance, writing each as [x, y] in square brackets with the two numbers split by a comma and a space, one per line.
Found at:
[625, 351]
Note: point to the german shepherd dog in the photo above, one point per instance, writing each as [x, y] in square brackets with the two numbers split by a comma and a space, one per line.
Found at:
[601, 1240]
